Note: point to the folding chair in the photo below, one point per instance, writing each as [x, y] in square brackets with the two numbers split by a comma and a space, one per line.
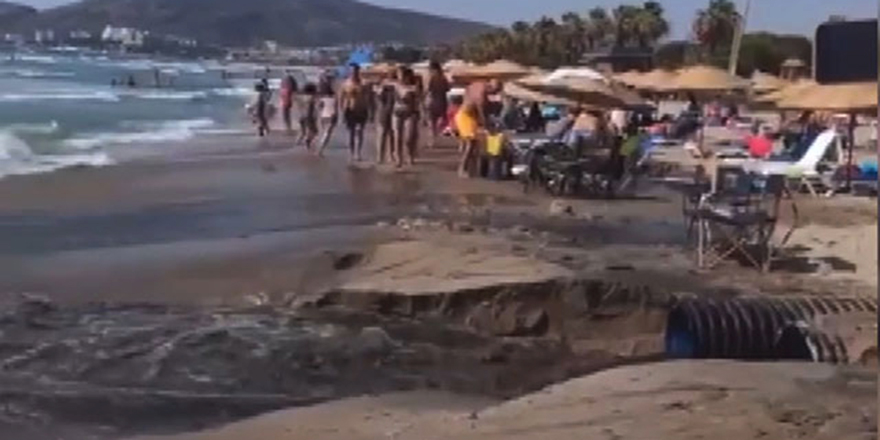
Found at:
[740, 218]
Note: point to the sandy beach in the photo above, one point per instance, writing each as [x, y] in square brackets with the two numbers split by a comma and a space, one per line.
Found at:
[165, 283]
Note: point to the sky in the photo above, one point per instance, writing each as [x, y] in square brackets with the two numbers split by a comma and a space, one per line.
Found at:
[782, 16]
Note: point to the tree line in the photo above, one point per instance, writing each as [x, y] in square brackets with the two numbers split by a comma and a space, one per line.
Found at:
[550, 43]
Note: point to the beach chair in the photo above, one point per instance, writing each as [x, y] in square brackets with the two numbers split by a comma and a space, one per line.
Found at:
[739, 218]
[805, 170]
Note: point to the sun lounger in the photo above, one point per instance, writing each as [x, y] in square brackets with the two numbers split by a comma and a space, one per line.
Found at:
[805, 169]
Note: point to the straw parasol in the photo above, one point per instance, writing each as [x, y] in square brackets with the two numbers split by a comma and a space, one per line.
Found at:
[845, 98]
[378, 70]
[765, 82]
[517, 90]
[590, 93]
[792, 89]
[657, 80]
[501, 69]
[849, 98]
[707, 79]
[630, 77]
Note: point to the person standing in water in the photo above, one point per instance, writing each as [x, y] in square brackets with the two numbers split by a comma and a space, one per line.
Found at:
[436, 102]
[354, 100]
[287, 95]
[329, 112]
[385, 97]
[406, 116]
[471, 119]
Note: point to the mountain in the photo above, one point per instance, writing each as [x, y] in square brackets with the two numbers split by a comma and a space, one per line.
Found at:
[240, 23]
[12, 13]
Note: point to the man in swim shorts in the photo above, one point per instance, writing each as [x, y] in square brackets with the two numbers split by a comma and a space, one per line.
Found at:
[355, 100]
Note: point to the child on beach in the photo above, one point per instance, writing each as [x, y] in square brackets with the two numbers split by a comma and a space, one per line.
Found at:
[329, 111]
[259, 109]
[308, 121]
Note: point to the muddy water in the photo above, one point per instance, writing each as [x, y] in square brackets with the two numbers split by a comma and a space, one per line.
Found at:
[109, 371]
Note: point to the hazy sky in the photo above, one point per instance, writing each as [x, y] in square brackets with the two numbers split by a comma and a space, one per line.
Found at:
[794, 16]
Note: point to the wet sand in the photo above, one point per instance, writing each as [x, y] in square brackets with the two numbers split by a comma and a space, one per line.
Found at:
[166, 283]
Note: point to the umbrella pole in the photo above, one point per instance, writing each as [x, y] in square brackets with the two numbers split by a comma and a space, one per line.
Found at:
[851, 147]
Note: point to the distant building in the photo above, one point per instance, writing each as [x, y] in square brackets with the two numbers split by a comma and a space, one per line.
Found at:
[793, 69]
[16, 39]
[80, 35]
[125, 36]
[44, 36]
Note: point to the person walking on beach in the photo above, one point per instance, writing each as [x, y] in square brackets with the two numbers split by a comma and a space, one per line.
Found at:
[354, 99]
[406, 116]
[436, 102]
[329, 112]
[287, 95]
[308, 120]
[259, 109]
[470, 118]
[385, 98]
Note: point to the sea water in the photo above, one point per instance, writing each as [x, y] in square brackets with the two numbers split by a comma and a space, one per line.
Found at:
[67, 108]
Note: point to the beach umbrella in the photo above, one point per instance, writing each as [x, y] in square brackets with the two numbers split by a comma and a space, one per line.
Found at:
[657, 80]
[844, 98]
[565, 73]
[630, 77]
[849, 98]
[515, 89]
[765, 82]
[378, 70]
[503, 70]
[590, 93]
[707, 79]
[792, 89]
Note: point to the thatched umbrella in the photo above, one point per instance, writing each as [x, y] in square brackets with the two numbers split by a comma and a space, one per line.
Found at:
[657, 80]
[503, 70]
[852, 98]
[590, 93]
[707, 79]
[520, 91]
[765, 82]
[630, 78]
[792, 89]
[378, 70]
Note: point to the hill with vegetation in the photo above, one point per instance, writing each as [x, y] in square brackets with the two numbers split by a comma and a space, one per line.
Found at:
[12, 13]
[242, 23]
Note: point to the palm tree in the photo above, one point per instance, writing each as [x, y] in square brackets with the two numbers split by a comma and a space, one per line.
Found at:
[575, 30]
[650, 24]
[626, 22]
[716, 25]
[599, 28]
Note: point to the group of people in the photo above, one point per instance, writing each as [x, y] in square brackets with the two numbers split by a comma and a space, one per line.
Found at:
[398, 102]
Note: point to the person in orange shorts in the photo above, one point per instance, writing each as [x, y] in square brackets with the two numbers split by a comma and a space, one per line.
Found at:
[470, 119]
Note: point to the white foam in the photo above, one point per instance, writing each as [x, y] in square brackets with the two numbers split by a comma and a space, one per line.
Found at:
[42, 59]
[233, 91]
[16, 158]
[143, 132]
[165, 95]
[60, 96]
[33, 73]
[34, 128]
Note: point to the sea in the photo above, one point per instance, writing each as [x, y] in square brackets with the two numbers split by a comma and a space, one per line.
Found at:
[66, 107]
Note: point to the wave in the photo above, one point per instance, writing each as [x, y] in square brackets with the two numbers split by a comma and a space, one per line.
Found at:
[165, 95]
[42, 59]
[233, 92]
[143, 132]
[33, 128]
[17, 158]
[33, 73]
[60, 96]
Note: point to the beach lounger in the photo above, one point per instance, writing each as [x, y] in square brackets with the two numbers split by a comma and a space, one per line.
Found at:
[804, 170]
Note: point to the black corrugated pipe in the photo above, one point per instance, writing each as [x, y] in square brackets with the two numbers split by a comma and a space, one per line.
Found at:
[750, 328]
